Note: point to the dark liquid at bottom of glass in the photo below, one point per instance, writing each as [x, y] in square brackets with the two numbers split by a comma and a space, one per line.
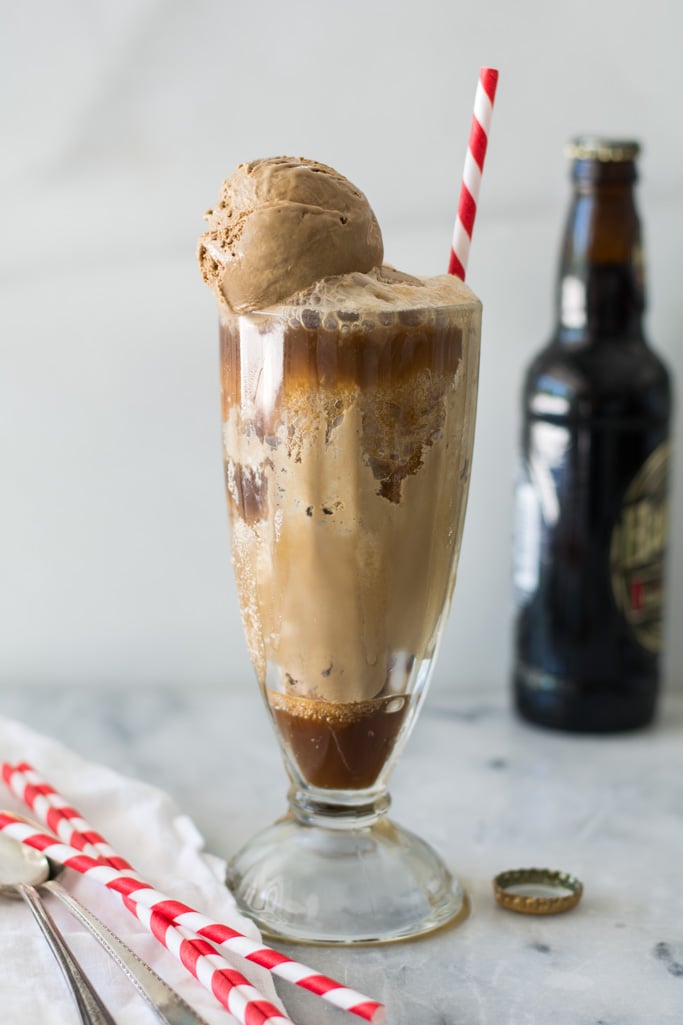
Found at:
[339, 746]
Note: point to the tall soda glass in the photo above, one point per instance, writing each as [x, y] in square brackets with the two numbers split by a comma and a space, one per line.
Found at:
[348, 427]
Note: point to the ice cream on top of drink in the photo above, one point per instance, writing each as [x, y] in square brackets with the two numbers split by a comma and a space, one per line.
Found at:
[280, 225]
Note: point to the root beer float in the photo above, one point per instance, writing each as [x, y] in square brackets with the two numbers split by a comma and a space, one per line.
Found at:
[348, 414]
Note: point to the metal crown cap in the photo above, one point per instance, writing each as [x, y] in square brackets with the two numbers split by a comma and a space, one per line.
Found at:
[597, 147]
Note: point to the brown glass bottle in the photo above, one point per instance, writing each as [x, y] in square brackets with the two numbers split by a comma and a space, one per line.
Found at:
[592, 490]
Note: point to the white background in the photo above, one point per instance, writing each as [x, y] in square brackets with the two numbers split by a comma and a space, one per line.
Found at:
[118, 122]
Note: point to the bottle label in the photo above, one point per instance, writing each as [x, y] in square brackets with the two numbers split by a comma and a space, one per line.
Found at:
[638, 547]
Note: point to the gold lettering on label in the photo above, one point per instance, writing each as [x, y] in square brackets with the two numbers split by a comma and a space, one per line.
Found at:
[638, 547]
[642, 534]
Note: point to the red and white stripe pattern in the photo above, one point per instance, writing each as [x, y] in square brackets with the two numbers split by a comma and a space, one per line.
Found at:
[157, 912]
[58, 815]
[471, 176]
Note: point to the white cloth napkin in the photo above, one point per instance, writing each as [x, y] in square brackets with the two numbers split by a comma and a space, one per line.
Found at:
[144, 826]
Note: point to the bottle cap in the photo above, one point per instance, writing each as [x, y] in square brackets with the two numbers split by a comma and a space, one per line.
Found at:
[537, 891]
[607, 151]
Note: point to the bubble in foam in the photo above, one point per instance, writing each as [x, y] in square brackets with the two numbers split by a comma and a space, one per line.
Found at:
[310, 318]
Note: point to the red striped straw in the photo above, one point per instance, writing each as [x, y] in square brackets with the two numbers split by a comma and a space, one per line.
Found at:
[471, 175]
[156, 911]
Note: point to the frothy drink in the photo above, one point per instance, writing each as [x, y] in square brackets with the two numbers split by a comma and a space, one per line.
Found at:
[348, 419]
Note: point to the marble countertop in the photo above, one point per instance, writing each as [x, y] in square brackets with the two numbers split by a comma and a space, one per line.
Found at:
[489, 793]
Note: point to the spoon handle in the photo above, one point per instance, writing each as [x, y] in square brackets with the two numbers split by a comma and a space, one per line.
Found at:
[90, 1007]
[168, 1005]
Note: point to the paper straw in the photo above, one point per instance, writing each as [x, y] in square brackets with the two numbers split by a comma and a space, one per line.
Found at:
[58, 815]
[79, 837]
[471, 175]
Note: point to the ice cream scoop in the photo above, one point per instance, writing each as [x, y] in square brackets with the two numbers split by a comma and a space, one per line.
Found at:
[282, 224]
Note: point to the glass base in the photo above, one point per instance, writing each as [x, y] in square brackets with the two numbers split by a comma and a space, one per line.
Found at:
[373, 883]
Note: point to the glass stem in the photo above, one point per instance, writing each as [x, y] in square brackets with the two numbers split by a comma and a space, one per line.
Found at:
[338, 809]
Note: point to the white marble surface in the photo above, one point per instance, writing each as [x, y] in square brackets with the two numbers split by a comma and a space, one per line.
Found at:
[489, 793]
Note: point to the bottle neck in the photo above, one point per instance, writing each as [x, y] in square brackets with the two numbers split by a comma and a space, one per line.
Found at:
[601, 289]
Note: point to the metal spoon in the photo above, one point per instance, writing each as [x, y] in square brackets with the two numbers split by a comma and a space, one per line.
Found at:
[168, 1005]
[21, 870]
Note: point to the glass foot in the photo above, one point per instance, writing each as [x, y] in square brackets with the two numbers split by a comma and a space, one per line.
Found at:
[370, 884]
